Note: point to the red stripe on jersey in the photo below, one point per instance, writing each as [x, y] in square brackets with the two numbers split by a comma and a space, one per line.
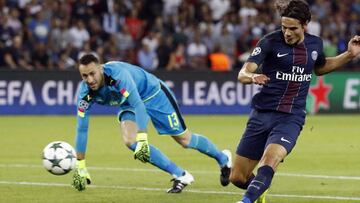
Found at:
[292, 90]
[300, 54]
[287, 100]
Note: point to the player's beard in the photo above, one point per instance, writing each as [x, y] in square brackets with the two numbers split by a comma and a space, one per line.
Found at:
[97, 83]
[93, 86]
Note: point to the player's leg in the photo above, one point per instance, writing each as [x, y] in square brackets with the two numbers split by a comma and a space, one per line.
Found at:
[204, 145]
[250, 148]
[281, 141]
[273, 155]
[167, 119]
[242, 171]
[157, 158]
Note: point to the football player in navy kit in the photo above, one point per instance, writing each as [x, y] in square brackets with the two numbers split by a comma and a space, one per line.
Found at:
[287, 58]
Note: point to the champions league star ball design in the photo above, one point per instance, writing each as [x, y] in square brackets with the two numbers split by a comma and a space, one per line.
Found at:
[59, 157]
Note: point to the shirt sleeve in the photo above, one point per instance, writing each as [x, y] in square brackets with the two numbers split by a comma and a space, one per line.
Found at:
[128, 89]
[321, 59]
[260, 52]
[83, 106]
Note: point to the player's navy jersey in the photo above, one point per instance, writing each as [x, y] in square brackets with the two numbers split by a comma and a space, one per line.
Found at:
[289, 69]
[125, 84]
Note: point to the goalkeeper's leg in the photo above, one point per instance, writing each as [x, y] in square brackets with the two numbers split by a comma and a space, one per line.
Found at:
[160, 160]
[203, 145]
[157, 158]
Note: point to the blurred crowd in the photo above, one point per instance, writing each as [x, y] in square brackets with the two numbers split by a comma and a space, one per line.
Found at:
[156, 34]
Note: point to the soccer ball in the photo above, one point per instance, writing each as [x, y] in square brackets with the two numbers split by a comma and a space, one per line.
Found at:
[59, 157]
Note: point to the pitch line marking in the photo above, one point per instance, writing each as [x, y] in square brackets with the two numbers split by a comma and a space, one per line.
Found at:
[187, 190]
[192, 171]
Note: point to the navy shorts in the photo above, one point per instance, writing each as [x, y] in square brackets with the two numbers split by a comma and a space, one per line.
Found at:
[269, 127]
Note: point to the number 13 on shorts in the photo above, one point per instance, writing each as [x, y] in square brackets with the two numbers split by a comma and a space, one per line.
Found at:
[173, 120]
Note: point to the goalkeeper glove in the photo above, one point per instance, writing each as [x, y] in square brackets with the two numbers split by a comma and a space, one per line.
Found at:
[81, 176]
[142, 150]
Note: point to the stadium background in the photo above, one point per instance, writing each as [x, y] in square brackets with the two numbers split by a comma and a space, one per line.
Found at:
[177, 40]
[198, 47]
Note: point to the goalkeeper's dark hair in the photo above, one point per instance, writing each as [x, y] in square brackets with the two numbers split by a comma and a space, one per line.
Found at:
[297, 9]
[88, 58]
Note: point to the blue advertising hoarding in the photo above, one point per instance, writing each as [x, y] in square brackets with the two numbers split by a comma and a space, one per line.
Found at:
[54, 93]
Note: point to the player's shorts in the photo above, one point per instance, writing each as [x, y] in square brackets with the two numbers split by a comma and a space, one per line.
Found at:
[163, 111]
[269, 127]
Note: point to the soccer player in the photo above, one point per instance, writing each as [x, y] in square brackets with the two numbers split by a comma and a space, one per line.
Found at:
[287, 58]
[139, 96]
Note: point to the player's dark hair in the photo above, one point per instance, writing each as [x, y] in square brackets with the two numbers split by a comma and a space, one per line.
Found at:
[297, 9]
[88, 58]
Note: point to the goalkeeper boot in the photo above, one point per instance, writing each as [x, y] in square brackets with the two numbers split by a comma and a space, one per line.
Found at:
[261, 199]
[181, 182]
[225, 170]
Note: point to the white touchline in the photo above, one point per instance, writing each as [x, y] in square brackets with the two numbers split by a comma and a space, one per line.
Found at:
[43, 184]
[192, 171]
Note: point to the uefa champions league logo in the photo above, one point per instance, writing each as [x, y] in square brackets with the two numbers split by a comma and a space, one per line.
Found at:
[256, 51]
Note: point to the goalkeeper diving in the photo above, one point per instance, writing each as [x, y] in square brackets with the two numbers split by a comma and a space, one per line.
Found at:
[140, 96]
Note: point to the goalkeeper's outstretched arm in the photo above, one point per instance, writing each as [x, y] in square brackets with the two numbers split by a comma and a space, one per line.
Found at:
[81, 175]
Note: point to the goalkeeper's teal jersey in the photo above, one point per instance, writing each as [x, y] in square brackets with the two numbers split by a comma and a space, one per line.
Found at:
[125, 84]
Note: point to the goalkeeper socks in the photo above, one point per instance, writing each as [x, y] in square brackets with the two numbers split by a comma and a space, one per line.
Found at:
[205, 146]
[260, 183]
[158, 159]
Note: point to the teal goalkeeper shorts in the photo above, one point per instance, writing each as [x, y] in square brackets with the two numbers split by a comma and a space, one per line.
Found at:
[163, 112]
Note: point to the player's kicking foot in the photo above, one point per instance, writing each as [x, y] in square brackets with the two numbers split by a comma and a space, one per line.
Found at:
[261, 199]
[181, 182]
[225, 170]
[244, 201]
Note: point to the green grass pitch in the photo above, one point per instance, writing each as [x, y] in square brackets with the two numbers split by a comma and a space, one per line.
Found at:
[323, 167]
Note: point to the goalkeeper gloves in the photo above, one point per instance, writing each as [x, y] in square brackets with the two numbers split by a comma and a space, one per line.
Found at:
[142, 150]
[81, 176]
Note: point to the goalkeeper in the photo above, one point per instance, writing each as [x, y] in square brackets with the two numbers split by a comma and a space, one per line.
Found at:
[140, 96]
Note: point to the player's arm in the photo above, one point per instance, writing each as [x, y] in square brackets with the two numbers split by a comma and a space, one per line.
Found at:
[142, 150]
[81, 176]
[128, 89]
[247, 74]
[81, 136]
[332, 63]
[83, 106]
